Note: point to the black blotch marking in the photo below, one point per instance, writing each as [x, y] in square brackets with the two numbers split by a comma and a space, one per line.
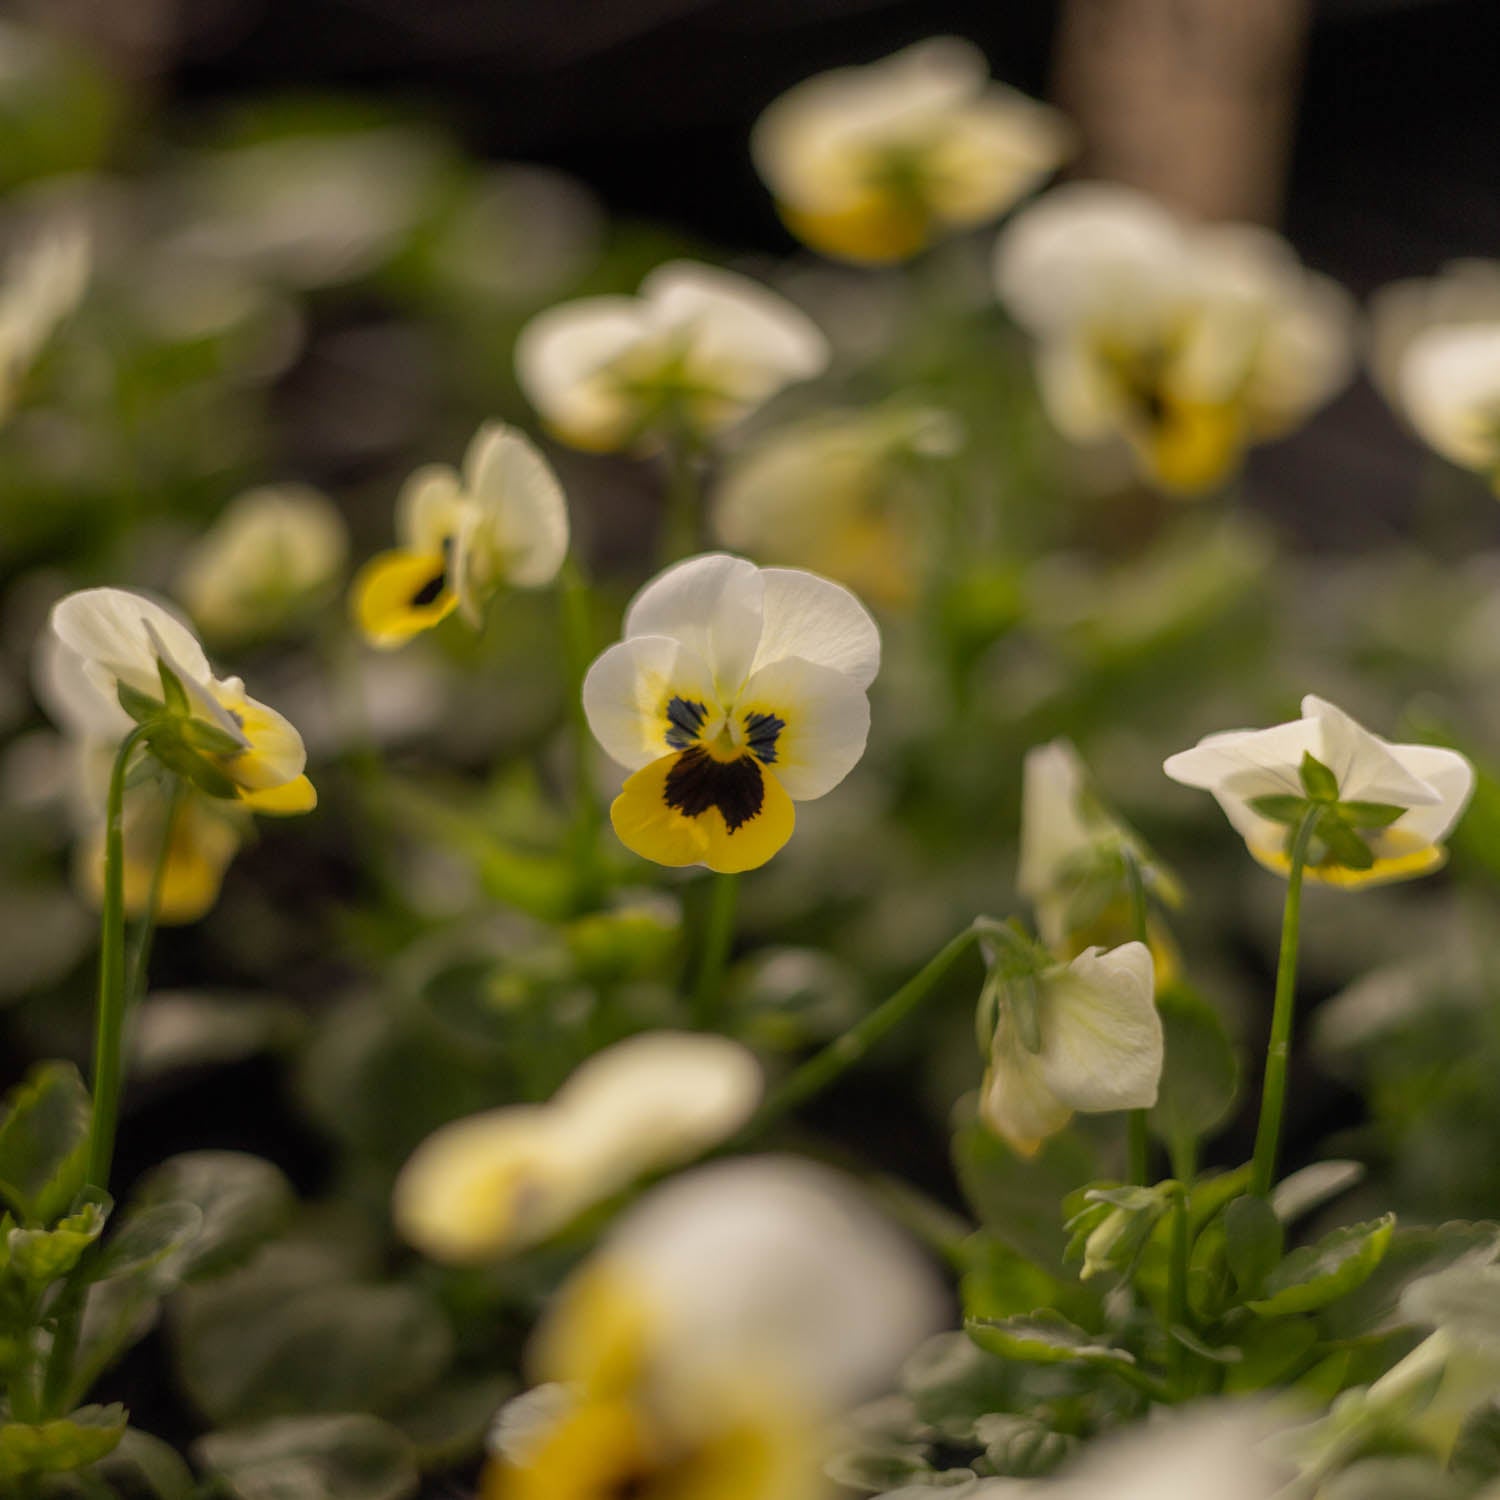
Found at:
[698, 782]
[761, 734]
[430, 591]
[686, 719]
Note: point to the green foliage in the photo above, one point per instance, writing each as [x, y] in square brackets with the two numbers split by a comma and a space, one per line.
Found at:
[1316, 1275]
[61, 1444]
[1200, 1078]
[346, 1457]
[44, 1143]
[1044, 1338]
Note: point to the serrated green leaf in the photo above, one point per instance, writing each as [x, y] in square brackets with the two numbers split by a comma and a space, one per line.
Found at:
[1021, 1447]
[1317, 780]
[55, 1447]
[1043, 1338]
[41, 1256]
[1271, 1351]
[44, 1139]
[1280, 808]
[346, 1457]
[1253, 1242]
[1318, 1274]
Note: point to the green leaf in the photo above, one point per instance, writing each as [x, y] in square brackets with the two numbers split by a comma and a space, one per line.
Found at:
[1253, 1241]
[344, 1457]
[1021, 1447]
[152, 1245]
[1043, 1338]
[1317, 780]
[1372, 815]
[1407, 1477]
[66, 1443]
[952, 1383]
[447, 1424]
[999, 1282]
[1280, 808]
[1201, 1073]
[44, 1142]
[41, 1256]
[1271, 1351]
[1476, 1454]
[1319, 1274]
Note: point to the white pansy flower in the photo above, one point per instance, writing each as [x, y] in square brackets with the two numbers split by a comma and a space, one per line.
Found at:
[496, 1182]
[41, 282]
[1187, 341]
[694, 352]
[1397, 802]
[1464, 293]
[1081, 1036]
[871, 164]
[1450, 391]
[736, 691]
[275, 552]
[502, 522]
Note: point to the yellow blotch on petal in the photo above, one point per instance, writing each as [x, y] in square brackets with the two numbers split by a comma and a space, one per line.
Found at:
[598, 1451]
[1194, 446]
[876, 231]
[398, 595]
[1392, 863]
[595, 1336]
[287, 800]
[649, 824]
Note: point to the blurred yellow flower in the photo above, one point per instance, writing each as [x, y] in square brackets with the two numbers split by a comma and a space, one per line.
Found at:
[42, 282]
[872, 164]
[273, 555]
[493, 1183]
[842, 492]
[1188, 341]
[693, 353]
[464, 537]
[736, 691]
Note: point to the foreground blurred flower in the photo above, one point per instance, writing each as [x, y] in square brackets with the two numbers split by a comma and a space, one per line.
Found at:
[698, 349]
[704, 1350]
[1377, 812]
[872, 164]
[496, 1182]
[1079, 1036]
[736, 691]
[1189, 341]
[41, 283]
[274, 554]
[843, 492]
[503, 521]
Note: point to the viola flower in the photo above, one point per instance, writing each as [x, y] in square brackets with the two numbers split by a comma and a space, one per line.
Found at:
[275, 554]
[1068, 1037]
[706, 1348]
[496, 1182]
[463, 537]
[1450, 392]
[43, 281]
[736, 691]
[872, 164]
[1189, 342]
[697, 350]
[1383, 809]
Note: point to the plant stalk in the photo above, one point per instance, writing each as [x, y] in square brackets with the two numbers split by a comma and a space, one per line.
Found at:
[718, 938]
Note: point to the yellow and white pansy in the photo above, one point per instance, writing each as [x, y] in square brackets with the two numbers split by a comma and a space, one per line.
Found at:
[43, 280]
[1388, 807]
[705, 1349]
[502, 522]
[736, 692]
[275, 553]
[493, 1183]
[844, 492]
[1188, 341]
[1463, 294]
[694, 352]
[125, 645]
[872, 164]
[1082, 1036]
[1450, 393]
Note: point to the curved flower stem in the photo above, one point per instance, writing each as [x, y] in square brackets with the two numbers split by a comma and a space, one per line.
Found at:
[1138, 1151]
[682, 522]
[1278, 1052]
[578, 643]
[140, 954]
[109, 1018]
[718, 938]
[1184, 1169]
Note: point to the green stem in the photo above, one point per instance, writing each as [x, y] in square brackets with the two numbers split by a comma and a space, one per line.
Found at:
[578, 644]
[1138, 1152]
[682, 523]
[109, 1020]
[140, 955]
[718, 938]
[1278, 1053]
[1184, 1169]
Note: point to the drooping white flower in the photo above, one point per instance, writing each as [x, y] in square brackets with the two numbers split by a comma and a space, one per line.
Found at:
[463, 537]
[696, 350]
[41, 283]
[871, 164]
[1079, 1036]
[736, 691]
[1396, 802]
[492, 1183]
[1190, 342]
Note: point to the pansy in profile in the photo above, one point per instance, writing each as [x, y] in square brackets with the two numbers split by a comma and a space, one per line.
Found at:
[872, 164]
[1450, 393]
[492, 1183]
[1377, 812]
[694, 352]
[737, 691]
[463, 537]
[1189, 342]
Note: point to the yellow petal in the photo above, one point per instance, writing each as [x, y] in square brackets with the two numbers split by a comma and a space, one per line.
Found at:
[397, 595]
[877, 231]
[1406, 864]
[673, 812]
[597, 1449]
[291, 797]
[1194, 446]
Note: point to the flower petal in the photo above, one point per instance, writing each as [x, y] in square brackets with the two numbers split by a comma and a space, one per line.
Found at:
[1368, 769]
[108, 628]
[522, 515]
[809, 722]
[398, 595]
[1016, 1102]
[430, 509]
[1450, 386]
[629, 691]
[713, 605]
[819, 621]
[1450, 775]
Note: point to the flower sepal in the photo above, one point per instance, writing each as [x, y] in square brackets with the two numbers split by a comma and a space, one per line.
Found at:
[180, 741]
[1111, 1224]
[1338, 833]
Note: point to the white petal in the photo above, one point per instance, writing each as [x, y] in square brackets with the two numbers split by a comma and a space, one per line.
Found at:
[1101, 1034]
[1017, 1103]
[1368, 769]
[1450, 386]
[561, 357]
[71, 697]
[826, 717]
[1450, 775]
[627, 690]
[819, 621]
[430, 509]
[713, 605]
[1081, 399]
[995, 150]
[1053, 830]
[522, 514]
[107, 628]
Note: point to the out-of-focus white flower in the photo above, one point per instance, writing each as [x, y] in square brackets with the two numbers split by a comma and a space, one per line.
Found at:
[871, 164]
[1462, 294]
[275, 553]
[1189, 341]
[1450, 392]
[1081, 1036]
[1386, 808]
[496, 1182]
[464, 537]
[706, 1346]
[736, 691]
[843, 493]
[42, 282]
[695, 351]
